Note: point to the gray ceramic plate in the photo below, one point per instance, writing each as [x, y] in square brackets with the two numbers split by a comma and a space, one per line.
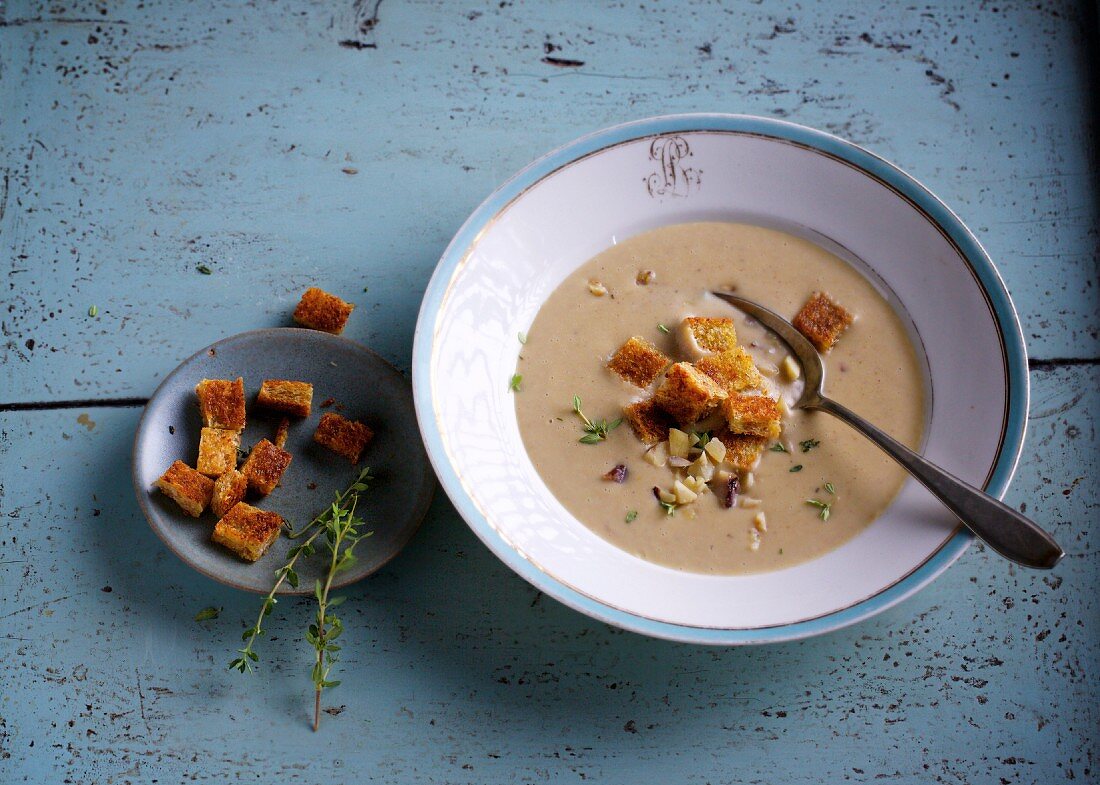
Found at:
[364, 387]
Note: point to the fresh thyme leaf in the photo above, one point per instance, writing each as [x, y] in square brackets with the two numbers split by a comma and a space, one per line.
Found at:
[93, 311]
[778, 447]
[594, 431]
[670, 507]
[522, 337]
[208, 613]
[202, 268]
[824, 508]
[631, 516]
[796, 468]
[517, 380]
[662, 328]
[702, 438]
[808, 444]
[830, 488]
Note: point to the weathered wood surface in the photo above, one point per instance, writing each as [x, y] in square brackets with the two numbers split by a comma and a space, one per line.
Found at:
[457, 671]
[142, 140]
[288, 144]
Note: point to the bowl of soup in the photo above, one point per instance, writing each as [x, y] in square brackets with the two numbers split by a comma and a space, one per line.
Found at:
[572, 383]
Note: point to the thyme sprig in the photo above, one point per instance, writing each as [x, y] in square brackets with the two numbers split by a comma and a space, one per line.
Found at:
[342, 500]
[339, 525]
[284, 574]
[341, 536]
[824, 508]
[594, 431]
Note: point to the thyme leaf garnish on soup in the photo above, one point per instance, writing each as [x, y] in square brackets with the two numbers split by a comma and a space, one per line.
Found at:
[594, 432]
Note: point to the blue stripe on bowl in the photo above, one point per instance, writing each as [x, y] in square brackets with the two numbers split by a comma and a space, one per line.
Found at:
[949, 223]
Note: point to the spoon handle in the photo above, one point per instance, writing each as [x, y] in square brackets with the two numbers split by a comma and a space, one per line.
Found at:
[1004, 529]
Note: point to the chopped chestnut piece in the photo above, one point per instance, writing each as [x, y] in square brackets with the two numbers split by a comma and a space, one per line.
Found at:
[618, 474]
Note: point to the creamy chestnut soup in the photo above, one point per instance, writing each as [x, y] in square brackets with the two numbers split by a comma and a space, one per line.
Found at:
[812, 488]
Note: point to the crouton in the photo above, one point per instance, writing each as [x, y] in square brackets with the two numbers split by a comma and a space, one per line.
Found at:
[752, 415]
[285, 396]
[229, 489]
[822, 321]
[319, 310]
[742, 452]
[649, 421]
[638, 362]
[733, 370]
[700, 333]
[687, 394]
[247, 531]
[282, 432]
[222, 403]
[217, 451]
[187, 488]
[264, 466]
[343, 436]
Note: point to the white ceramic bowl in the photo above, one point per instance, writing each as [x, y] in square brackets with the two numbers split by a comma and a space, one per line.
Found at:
[578, 200]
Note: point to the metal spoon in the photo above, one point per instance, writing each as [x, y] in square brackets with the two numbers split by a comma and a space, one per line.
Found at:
[1006, 531]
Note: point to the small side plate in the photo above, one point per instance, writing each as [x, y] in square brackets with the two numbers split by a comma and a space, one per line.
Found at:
[363, 387]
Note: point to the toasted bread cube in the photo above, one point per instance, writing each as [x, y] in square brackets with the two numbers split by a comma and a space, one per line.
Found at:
[187, 488]
[649, 421]
[229, 489]
[217, 451]
[742, 452]
[222, 403]
[709, 334]
[638, 362]
[687, 394]
[822, 321]
[247, 531]
[752, 415]
[733, 370]
[343, 436]
[264, 466]
[282, 432]
[319, 310]
[285, 396]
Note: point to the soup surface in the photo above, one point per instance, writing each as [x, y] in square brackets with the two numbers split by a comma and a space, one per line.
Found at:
[873, 370]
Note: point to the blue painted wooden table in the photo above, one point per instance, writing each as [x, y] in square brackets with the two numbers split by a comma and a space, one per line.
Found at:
[283, 145]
